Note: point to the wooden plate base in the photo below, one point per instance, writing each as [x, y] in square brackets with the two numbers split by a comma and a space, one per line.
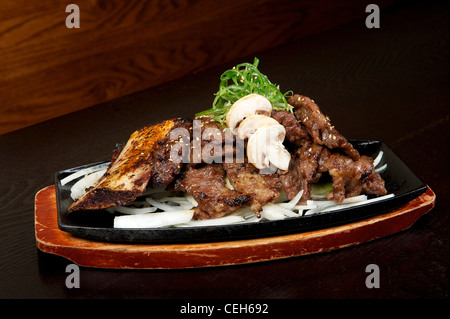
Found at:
[87, 253]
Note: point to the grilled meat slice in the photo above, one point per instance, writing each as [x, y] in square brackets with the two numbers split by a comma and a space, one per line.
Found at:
[312, 157]
[130, 170]
[164, 168]
[349, 177]
[319, 126]
[296, 133]
[306, 167]
[245, 178]
[206, 183]
[352, 178]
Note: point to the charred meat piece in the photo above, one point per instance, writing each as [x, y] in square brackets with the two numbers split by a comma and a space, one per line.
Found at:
[306, 167]
[206, 183]
[311, 161]
[164, 168]
[130, 170]
[296, 133]
[319, 126]
[245, 178]
[351, 178]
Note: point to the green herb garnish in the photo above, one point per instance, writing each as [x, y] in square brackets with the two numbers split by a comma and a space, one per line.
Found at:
[242, 80]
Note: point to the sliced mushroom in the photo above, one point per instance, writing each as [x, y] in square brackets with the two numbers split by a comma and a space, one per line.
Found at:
[248, 105]
[250, 124]
[265, 146]
[279, 156]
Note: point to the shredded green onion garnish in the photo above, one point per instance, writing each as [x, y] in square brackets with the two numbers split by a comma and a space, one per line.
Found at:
[242, 80]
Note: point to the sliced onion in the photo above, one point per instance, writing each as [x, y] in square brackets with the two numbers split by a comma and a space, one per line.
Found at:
[83, 172]
[270, 213]
[304, 207]
[153, 220]
[191, 200]
[357, 203]
[381, 168]
[291, 204]
[377, 159]
[165, 207]
[133, 210]
[177, 200]
[79, 188]
[286, 211]
[227, 220]
[245, 212]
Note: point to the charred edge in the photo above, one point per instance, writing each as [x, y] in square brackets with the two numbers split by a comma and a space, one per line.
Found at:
[239, 200]
[102, 198]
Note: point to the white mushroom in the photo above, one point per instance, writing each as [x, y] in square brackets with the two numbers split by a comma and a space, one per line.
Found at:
[265, 146]
[250, 124]
[248, 105]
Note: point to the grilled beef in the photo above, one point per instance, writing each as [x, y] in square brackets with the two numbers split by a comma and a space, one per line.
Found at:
[306, 167]
[132, 166]
[245, 178]
[321, 152]
[319, 126]
[296, 133]
[206, 183]
[316, 148]
[163, 168]
[352, 178]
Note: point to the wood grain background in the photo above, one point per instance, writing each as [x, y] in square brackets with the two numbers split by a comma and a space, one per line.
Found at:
[48, 70]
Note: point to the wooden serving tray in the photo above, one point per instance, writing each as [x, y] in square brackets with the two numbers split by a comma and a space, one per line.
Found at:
[87, 253]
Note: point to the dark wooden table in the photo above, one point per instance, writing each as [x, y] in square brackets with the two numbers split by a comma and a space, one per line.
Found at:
[388, 84]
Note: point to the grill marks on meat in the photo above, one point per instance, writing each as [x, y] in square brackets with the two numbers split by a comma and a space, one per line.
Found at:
[208, 187]
[245, 178]
[132, 166]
